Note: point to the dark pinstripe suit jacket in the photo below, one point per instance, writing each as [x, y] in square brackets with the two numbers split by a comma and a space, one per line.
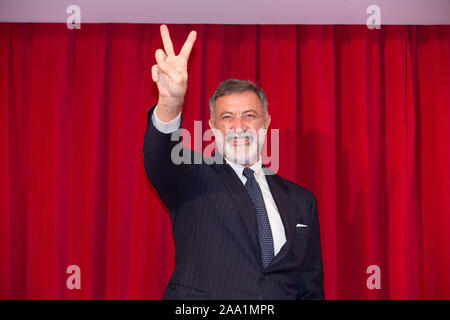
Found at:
[217, 252]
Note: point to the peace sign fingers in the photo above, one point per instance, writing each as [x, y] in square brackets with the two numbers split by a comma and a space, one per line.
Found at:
[187, 46]
[167, 42]
[170, 74]
[168, 45]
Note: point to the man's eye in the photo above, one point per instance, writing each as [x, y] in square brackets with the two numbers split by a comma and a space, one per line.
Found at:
[226, 117]
[251, 116]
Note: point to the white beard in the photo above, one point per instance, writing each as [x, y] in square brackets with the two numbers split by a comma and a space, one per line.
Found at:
[243, 154]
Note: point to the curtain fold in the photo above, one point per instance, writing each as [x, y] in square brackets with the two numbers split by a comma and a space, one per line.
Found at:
[364, 123]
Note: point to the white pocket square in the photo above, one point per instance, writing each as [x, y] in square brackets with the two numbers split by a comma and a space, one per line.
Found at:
[299, 225]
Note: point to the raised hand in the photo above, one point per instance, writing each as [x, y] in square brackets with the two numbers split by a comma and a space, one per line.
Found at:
[170, 74]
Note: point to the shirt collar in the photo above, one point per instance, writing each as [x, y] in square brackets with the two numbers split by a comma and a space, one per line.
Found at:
[238, 168]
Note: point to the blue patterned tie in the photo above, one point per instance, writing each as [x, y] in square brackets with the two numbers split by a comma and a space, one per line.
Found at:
[264, 231]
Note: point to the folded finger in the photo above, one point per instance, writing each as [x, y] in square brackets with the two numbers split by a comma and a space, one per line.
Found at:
[155, 71]
[160, 56]
[164, 67]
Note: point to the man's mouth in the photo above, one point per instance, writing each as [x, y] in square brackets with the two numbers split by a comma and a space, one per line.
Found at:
[240, 141]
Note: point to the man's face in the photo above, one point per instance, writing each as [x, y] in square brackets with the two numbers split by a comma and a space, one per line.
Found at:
[240, 127]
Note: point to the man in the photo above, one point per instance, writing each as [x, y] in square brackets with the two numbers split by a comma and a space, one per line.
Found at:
[239, 234]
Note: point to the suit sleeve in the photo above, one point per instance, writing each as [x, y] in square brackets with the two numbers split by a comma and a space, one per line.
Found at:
[169, 179]
[311, 283]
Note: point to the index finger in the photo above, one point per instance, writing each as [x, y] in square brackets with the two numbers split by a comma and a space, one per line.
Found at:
[167, 42]
[187, 46]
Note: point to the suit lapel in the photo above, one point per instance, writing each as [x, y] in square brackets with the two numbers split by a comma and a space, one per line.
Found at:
[280, 195]
[240, 197]
[247, 211]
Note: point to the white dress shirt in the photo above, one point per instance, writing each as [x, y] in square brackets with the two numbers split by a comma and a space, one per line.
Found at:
[278, 234]
[276, 225]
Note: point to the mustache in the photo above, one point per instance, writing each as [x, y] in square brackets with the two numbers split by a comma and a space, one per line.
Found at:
[231, 135]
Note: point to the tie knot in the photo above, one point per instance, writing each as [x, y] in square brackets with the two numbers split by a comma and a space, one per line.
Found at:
[248, 173]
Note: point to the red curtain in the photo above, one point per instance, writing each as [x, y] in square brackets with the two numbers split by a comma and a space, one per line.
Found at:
[364, 121]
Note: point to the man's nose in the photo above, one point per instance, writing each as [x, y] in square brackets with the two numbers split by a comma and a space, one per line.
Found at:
[239, 125]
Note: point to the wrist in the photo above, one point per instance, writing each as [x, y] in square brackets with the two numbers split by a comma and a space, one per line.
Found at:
[171, 102]
[169, 108]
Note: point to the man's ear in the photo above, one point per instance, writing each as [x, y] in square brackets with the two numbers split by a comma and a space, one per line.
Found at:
[211, 124]
[267, 121]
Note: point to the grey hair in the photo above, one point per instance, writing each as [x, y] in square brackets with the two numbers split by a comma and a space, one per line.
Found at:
[232, 86]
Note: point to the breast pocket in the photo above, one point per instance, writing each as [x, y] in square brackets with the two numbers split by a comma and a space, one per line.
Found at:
[300, 230]
[301, 243]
